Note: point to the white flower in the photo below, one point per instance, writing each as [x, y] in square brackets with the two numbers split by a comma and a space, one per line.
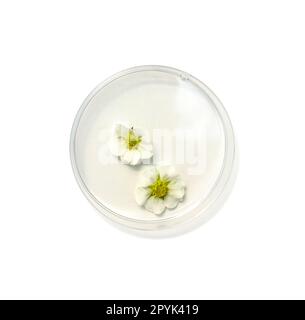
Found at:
[159, 188]
[131, 145]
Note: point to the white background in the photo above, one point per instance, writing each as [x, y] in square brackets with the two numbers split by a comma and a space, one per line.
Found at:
[53, 244]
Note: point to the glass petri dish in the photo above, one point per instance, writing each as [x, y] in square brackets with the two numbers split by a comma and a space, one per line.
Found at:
[189, 128]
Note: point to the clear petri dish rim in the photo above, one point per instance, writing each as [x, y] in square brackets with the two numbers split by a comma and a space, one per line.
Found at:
[216, 191]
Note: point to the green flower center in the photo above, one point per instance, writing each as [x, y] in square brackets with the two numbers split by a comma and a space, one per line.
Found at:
[159, 188]
[132, 140]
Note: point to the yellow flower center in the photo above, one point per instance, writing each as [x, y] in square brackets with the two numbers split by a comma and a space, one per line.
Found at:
[132, 140]
[159, 188]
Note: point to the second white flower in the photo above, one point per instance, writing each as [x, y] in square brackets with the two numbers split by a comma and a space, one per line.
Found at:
[159, 188]
[131, 145]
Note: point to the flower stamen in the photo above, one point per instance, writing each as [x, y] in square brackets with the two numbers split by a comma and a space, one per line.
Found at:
[159, 188]
[132, 140]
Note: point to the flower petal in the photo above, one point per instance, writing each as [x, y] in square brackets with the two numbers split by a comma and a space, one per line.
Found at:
[136, 158]
[148, 177]
[120, 131]
[145, 153]
[117, 147]
[131, 157]
[167, 172]
[176, 184]
[144, 134]
[170, 202]
[145, 146]
[176, 192]
[155, 205]
[141, 195]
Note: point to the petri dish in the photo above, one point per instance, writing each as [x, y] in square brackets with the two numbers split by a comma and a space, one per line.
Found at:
[189, 129]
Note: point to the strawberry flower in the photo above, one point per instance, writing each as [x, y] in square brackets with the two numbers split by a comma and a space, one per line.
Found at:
[159, 188]
[131, 145]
